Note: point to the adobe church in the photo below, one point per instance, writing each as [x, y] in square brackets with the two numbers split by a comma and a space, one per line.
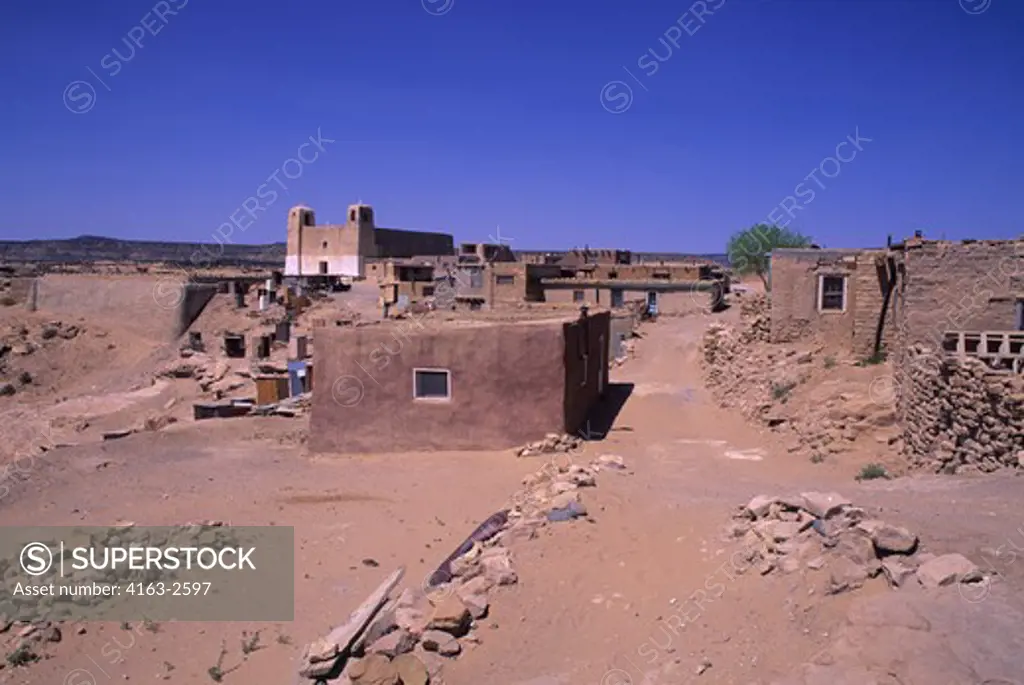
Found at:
[342, 249]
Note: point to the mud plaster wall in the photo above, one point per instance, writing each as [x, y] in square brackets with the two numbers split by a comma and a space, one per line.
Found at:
[959, 286]
[794, 299]
[586, 367]
[507, 388]
[154, 307]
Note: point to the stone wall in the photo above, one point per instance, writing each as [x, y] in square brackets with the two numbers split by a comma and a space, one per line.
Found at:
[958, 415]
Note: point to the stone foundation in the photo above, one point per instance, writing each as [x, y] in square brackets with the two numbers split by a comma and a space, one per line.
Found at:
[958, 415]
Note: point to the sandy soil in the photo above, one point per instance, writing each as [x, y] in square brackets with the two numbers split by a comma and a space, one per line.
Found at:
[597, 602]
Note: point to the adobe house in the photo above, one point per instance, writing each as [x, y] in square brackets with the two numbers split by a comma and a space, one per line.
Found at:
[672, 288]
[833, 295]
[916, 292]
[336, 250]
[480, 386]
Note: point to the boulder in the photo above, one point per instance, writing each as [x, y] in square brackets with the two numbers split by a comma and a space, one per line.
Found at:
[394, 643]
[947, 569]
[375, 669]
[451, 616]
[896, 573]
[440, 642]
[824, 504]
[760, 505]
[411, 670]
[894, 540]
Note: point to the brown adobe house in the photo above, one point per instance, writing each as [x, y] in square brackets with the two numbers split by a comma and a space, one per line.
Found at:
[480, 386]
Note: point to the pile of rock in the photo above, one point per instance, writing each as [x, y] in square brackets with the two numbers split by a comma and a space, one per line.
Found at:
[818, 531]
[755, 312]
[552, 443]
[959, 415]
[214, 376]
[408, 640]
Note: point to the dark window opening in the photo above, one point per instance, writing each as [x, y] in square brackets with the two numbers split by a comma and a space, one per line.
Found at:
[428, 291]
[323, 268]
[352, 216]
[307, 219]
[431, 385]
[577, 295]
[324, 245]
[833, 293]
[504, 280]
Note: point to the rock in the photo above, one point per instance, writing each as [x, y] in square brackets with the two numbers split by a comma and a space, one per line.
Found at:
[440, 642]
[824, 504]
[498, 569]
[408, 598]
[564, 500]
[781, 531]
[611, 461]
[375, 669]
[894, 540]
[394, 643]
[760, 505]
[451, 616]
[477, 605]
[411, 670]
[895, 572]
[411, 619]
[7, 389]
[321, 650]
[845, 575]
[432, 660]
[571, 511]
[947, 569]
[382, 624]
[789, 565]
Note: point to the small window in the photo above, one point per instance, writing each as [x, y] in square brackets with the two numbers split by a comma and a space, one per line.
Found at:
[428, 291]
[352, 216]
[324, 245]
[431, 384]
[505, 280]
[577, 295]
[323, 268]
[832, 294]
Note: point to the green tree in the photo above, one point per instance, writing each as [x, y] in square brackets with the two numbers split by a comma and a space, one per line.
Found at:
[749, 250]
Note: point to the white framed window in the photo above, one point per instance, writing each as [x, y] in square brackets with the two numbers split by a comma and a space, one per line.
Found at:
[832, 293]
[432, 384]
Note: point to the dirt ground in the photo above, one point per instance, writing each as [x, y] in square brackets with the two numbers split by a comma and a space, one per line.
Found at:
[598, 601]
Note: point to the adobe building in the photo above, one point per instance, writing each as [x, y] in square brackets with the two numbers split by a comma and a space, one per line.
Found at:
[477, 386]
[343, 250]
[835, 296]
[919, 292]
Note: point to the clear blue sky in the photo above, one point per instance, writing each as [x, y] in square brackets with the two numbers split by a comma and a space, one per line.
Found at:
[463, 115]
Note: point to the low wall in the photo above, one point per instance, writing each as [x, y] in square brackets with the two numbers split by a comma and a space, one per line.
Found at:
[156, 307]
[958, 415]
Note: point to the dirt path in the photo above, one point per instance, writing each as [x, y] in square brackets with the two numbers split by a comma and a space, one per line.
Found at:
[647, 592]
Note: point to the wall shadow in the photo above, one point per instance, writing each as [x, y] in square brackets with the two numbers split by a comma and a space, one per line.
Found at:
[602, 416]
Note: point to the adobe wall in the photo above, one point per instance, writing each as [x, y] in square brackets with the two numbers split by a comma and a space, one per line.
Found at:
[396, 243]
[586, 367]
[959, 286]
[336, 244]
[958, 415]
[794, 298]
[507, 387]
[156, 307]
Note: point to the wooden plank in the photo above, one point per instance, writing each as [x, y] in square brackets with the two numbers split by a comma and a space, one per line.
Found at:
[346, 634]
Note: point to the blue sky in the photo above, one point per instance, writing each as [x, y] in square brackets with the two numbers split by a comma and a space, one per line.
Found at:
[466, 115]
